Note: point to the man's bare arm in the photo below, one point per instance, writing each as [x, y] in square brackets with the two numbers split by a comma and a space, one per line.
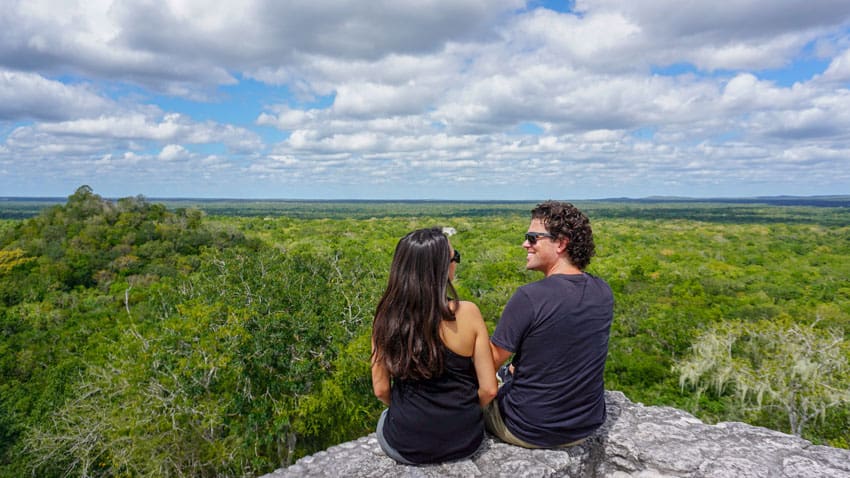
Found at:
[500, 355]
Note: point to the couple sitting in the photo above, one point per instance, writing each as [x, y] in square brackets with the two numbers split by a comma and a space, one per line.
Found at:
[434, 365]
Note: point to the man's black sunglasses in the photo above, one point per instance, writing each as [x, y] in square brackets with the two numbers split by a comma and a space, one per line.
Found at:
[456, 257]
[532, 237]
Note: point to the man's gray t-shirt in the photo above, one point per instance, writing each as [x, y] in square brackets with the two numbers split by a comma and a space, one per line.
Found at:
[558, 329]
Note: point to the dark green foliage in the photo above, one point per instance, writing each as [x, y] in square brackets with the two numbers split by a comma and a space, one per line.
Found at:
[93, 242]
[80, 269]
[210, 386]
[343, 407]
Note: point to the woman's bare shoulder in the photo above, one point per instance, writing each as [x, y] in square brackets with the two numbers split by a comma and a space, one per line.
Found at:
[467, 311]
[464, 306]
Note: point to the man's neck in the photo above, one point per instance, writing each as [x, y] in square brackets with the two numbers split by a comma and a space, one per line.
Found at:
[563, 267]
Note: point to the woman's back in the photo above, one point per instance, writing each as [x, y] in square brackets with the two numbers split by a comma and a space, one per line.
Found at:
[440, 419]
[437, 419]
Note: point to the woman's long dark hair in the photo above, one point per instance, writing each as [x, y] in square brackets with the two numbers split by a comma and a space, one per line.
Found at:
[406, 328]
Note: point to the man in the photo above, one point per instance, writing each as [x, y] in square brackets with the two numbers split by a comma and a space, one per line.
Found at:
[557, 328]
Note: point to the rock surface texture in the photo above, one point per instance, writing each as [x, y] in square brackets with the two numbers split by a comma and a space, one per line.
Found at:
[636, 441]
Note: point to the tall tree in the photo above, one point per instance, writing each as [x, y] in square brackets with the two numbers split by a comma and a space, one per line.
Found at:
[801, 369]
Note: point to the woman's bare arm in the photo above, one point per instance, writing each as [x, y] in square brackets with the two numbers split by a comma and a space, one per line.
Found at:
[380, 380]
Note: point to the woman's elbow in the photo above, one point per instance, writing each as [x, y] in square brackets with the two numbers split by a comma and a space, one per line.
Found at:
[382, 392]
[487, 394]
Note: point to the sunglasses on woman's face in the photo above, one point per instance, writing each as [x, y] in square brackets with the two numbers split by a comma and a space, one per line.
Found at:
[456, 257]
[532, 237]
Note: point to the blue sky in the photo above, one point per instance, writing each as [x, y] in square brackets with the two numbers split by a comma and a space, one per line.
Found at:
[426, 99]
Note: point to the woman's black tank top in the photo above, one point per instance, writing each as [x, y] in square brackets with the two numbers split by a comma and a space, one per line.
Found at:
[438, 419]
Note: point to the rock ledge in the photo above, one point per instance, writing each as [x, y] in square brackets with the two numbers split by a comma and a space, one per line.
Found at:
[636, 441]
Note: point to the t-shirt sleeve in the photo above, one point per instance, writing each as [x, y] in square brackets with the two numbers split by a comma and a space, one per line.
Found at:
[514, 323]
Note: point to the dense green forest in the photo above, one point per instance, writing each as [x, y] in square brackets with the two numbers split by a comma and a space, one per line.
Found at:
[148, 339]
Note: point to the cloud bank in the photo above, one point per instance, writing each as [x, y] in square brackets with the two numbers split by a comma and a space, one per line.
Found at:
[433, 99]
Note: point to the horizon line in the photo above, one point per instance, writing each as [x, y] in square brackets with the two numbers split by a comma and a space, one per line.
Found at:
[603, 199]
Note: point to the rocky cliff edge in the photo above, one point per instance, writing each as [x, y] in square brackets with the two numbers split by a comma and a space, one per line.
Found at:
[636, 441]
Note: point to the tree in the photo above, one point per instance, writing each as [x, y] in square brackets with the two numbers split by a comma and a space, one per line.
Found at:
[11, 259]
[209, 385]
[800, 369]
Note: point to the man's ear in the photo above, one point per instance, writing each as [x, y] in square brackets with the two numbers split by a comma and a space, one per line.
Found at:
[562, 245]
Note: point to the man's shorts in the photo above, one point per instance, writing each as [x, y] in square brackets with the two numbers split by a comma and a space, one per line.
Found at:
[495, 425]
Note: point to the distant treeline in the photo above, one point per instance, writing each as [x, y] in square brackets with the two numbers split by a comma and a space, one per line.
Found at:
[710, 210]
[816, 201]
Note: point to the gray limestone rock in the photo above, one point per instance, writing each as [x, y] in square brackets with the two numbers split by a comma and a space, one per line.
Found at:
[636, 441]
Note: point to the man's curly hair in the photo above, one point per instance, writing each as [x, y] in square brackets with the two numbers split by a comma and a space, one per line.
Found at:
[562, 219]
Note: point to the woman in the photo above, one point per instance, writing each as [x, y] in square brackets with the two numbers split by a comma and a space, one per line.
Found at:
[431, 360]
